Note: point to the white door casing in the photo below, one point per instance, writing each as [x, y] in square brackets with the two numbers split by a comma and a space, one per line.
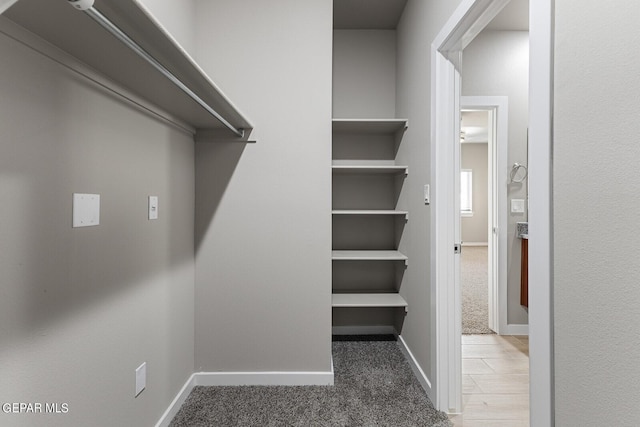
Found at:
[467, 21]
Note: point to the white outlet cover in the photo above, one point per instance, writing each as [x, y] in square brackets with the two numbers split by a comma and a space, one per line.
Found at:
[141, 378]
[517, 205]
[86, 210]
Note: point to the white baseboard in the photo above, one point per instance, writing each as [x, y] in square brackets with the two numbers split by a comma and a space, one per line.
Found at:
[475, 244]
[243, 378]
[415, 367]
[263, 378]
[175, 406]
[364, 330]
[515, 329]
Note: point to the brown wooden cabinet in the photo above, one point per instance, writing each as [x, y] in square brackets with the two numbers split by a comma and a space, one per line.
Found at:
[524, 273]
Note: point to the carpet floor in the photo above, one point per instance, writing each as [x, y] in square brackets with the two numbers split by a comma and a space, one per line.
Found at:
[374, 386]
[474, 283]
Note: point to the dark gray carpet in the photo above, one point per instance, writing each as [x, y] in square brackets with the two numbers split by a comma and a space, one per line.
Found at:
[474, 282]
[374, 386]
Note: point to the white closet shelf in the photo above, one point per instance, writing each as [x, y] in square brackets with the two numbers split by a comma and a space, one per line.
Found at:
[379, 126]
[367, 255]
[368, 300]
[370, 212]
[76, 34]
[370, 169]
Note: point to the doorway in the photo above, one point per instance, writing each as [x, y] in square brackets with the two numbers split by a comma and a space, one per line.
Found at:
[465, 23]
[487, 123]
[484, 126]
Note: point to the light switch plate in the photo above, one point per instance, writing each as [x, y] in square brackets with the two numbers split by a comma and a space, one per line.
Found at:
[86, 210]
[517, 205]
[153, 207]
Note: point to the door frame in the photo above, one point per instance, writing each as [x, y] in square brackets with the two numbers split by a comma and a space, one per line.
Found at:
[469, 18]
[497, 108]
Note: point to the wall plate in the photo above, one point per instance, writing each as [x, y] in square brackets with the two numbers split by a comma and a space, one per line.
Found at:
[517, 205]
[86, 210]
[153, 207]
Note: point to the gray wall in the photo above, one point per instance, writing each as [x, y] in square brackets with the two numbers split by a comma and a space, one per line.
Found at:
[263, 219]
[419, 25]
[364, 74]
[82, 308]
[178, 17]
[595, 204]
[496, 64]
[474, 156]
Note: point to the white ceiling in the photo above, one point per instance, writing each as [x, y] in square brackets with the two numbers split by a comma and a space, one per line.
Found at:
[385, 14]
[474, 125]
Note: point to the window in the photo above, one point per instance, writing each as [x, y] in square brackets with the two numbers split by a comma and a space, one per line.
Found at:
[466, 192]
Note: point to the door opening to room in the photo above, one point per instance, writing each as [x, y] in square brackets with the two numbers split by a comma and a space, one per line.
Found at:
[476, 276]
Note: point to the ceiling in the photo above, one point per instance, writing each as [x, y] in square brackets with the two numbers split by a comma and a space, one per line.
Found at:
[474, 125]
[385, 15]
[367, 14]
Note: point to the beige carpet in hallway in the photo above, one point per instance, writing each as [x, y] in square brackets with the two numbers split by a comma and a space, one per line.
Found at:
[474, 282]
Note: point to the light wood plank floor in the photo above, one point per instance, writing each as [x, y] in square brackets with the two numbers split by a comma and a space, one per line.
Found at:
[495, 381]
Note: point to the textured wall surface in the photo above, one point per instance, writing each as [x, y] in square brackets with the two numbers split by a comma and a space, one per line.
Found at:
[364, 74]
[178, 17]
[595, 205]
[82, 308]
[263, 216]
[419, 25]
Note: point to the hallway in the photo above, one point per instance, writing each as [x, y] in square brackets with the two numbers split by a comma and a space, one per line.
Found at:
[474, 287]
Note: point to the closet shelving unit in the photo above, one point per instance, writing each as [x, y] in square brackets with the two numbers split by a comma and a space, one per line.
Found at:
[361, 129]
[369, 169]
[368, 255]
[77, 42]
[370, 212]
[368, 300]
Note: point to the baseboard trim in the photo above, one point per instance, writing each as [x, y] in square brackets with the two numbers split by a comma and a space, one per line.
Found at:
[475, 244]
[243, 378]
[364, 330]
[515, 329]
[263, 378]
[415, 367]
[177, 402]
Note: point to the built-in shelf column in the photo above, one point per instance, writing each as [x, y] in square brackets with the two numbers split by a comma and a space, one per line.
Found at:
[366, 185]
